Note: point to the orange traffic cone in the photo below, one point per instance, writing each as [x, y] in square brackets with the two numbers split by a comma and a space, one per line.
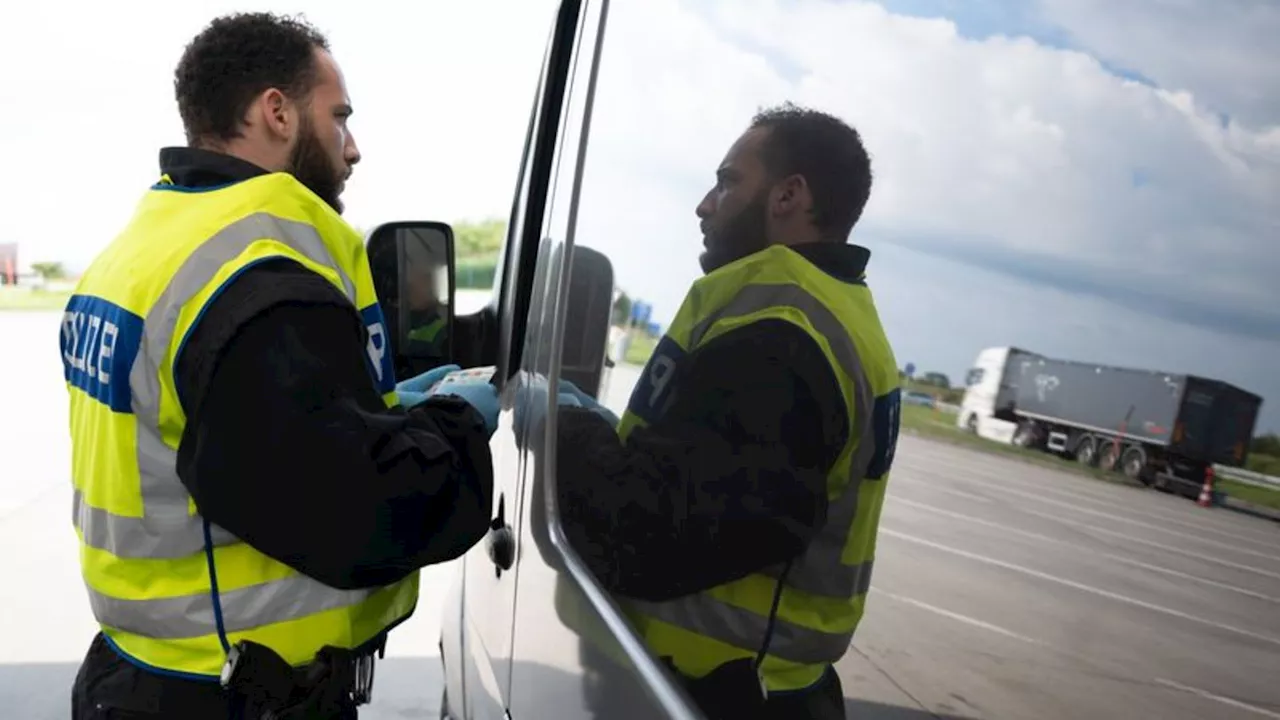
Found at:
[1206, 490]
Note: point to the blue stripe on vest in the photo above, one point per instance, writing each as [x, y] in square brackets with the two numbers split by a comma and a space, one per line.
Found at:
[100, 341]
[378, 357]
[884, 423]
[654, 389]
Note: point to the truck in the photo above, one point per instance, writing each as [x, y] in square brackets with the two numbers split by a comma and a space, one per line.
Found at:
[1159, 428]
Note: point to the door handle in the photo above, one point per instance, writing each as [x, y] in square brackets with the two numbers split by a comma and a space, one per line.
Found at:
[501, 541]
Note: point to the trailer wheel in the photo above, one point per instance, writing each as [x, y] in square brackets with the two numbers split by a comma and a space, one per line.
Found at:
[1133, 463]
[972, 423]
[1109, 458]
[1087, 451]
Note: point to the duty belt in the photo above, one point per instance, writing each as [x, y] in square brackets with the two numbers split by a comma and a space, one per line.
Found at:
[265, 687]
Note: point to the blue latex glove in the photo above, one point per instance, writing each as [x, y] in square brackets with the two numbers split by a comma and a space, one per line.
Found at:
[531, 408]
[479, 394]
[414, 390]
[586, 401]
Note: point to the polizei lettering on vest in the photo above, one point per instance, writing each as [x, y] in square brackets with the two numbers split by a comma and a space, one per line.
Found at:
[100, 342]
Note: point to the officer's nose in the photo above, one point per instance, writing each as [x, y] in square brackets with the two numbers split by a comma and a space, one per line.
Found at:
[350, 152]
[707, 207]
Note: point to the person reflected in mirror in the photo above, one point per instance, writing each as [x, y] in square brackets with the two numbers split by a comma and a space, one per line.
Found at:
[426, 295]
[253, 495]
[733, 509]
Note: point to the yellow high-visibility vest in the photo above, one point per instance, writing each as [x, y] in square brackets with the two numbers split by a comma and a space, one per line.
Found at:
[169, 589]
[825, 589]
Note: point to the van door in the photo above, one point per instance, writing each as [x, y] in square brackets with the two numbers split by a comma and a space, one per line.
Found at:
[574, 654]
[489, 570]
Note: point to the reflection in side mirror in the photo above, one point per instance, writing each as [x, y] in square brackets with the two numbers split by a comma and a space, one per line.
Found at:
[589, 312]
[413, 273]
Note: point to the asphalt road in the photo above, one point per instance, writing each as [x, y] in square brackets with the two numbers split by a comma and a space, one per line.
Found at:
[1001, 590]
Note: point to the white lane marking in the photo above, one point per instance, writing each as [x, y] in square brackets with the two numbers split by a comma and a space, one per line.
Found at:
[1110, 556]
[1017, 636]
[1241, 534]
[1205, 523]
[1179, 533]
[1078, 586]
[1039, 497]
[958, 617]
[968, 494]
[1086, 492]
[1162, 546]
[1224, 700]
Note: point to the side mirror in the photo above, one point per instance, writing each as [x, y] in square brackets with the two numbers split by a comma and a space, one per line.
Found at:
[589, 315]
[413, 274]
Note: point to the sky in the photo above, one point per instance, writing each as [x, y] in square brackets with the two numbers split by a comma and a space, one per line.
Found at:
[1086, 179]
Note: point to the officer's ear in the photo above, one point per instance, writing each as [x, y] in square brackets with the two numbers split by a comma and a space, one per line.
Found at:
[279, 115]
[791, 195]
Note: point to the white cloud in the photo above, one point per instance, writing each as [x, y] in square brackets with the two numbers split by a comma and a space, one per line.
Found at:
[1136, 197]
[1223, 51]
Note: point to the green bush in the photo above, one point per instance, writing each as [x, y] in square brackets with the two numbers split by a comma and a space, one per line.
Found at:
[479, 239]
[1265, 464]
[475, 273]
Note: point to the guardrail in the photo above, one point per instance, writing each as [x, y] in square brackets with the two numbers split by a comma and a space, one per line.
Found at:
[1247, 477]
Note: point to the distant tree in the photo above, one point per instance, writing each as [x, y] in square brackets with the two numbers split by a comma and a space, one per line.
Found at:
[622, 309]
[936, 379]
[1266, 445]
[49, 270]
[482, 239]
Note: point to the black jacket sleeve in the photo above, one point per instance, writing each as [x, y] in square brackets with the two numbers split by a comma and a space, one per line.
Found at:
[289, 446]
[730, 481]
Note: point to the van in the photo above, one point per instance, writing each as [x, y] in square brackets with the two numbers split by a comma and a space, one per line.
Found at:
[527, 631]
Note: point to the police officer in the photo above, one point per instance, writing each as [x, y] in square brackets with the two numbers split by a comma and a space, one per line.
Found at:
[427, 325]
[253, 502]
[735, 507]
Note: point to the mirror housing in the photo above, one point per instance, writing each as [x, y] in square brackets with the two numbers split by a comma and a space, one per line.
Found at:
[588, 317]
[413, 268]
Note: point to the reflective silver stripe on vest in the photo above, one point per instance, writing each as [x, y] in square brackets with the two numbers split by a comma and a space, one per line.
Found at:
[167, 530]
[244, 609]
[744, 629]
[153, 538]
[819, 571]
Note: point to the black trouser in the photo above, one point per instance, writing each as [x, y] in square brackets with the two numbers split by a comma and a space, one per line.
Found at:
[824, 700]
[732, 691]
[108, 687]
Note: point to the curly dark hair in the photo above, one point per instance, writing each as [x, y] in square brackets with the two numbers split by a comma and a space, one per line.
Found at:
[830, 156]
[235, 59]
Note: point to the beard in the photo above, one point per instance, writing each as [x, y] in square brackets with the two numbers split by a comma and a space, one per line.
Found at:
[742, 235]
[311, 166]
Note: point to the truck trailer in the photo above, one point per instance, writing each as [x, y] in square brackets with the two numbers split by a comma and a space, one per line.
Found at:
[1162, 429]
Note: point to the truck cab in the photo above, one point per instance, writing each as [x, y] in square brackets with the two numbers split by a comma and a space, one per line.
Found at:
[991, 387]
[527, 631]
